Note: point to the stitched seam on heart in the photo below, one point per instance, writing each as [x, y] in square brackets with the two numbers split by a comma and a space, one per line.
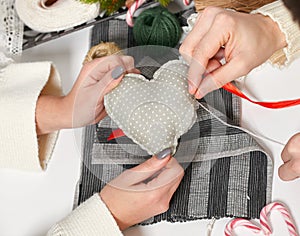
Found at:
[128, 134]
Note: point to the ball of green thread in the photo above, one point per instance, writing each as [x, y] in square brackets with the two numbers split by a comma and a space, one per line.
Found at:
[157, 26]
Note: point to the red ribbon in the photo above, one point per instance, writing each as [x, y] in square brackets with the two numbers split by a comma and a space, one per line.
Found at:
[273, 105]
[117, 133]
[232, 89]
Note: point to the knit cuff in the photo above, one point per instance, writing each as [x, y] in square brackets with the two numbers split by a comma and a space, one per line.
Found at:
[282, 16]
[20, 87]
[91, 218]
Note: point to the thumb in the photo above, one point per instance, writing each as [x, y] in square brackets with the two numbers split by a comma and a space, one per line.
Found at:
[110, 80]
[110, 73]
[152, 164]
[232, 70]
[139, 173]
[286, 172]
[146, 170]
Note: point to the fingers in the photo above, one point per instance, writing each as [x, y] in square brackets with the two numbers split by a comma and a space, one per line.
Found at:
[128, 63]
[174, 186]
[94, 71]
[290, 170]
[100, 116]
[166, 181]
[141, 172]
[107, 64]
[290, 155]
[134, 71]
[233, 69]
[169, 178]
[208, 47]
[101, 66]
[292, 148]
[111, 71]
[220, 54]
[152, 164]
[213, 64]
[110, 80]
[193, 48]
[201, 27]
[285, 154]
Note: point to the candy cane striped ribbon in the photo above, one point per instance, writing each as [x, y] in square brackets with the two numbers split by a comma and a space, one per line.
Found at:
[186, 2]
[131, 11]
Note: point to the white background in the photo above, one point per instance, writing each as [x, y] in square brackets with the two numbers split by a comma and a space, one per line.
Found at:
[31, 203]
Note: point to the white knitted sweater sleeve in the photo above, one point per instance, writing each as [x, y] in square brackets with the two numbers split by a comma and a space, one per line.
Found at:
[280, 14]
[92, 218]
[20, 148]
[20, 86]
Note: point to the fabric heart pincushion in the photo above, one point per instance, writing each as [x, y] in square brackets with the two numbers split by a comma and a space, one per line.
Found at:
[155, 113]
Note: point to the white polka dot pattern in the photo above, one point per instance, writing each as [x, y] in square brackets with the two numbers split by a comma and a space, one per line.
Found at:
[155, 113]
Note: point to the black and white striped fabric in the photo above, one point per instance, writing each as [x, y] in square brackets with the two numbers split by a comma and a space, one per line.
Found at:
[226, 172]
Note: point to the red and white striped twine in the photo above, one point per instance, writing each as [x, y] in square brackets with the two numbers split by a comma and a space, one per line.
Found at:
[136, 5]
[265, 227]
[186, 2]
[131, 11]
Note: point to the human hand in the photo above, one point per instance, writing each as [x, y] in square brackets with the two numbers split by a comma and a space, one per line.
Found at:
[84, 104]
[290, 155]
[244, 40]
[95, 80]
[143, 191]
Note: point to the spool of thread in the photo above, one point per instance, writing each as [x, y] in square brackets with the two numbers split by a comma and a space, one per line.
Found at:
[55, 15]
[157, 26]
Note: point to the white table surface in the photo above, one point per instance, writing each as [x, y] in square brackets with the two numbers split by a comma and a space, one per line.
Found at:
[31, 203]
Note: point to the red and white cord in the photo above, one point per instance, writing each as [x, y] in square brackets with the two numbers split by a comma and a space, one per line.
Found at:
[131, 11]
[186, 2]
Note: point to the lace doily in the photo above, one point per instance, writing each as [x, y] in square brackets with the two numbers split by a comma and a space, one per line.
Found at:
[11, 29]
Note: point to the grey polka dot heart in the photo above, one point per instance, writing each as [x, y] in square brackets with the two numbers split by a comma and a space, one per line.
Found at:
[155, 113]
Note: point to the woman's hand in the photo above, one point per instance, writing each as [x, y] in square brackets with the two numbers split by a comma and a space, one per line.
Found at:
[290, 155]
[244, 40]
[143, 191]
[84, 104]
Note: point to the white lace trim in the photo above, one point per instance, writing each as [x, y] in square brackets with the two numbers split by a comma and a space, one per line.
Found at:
[11, 29]
[190, 24]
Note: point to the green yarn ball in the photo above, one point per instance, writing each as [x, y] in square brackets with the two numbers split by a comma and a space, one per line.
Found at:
[157, 26]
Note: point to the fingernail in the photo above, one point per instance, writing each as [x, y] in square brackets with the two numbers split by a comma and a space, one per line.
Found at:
[163, 154]
[192, 89]
[117, 72]
[207, 85]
